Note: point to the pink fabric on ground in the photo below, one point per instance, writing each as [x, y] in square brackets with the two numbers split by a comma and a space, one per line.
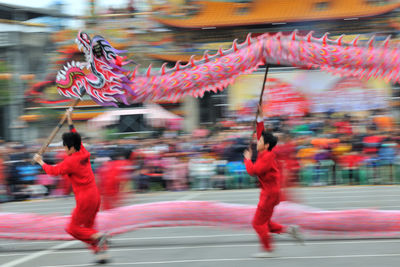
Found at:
[361, 222]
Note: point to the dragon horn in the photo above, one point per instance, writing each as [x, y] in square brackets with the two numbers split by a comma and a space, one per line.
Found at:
[148, 72]
[339, 40]
[178, 65]
[354, 43]
[248, 39]
[294, 33]
[163, 68]
[191, 61]
[234, 45]
[205, 56]
[309, 36]
[370, 42]
[386, 42]
[324, 38]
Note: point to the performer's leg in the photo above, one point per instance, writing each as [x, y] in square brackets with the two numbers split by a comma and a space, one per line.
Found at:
[261, 226]
[82, 221]
[95, 240]
[276, 228]
[81, 228]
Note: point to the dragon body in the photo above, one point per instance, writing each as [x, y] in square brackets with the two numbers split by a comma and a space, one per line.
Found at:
[108, 83]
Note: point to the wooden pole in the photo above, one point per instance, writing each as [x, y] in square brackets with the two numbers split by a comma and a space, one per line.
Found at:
[263, 86]
[56, 129]
[260, 101]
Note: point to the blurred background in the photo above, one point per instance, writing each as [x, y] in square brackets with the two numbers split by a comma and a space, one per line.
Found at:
[332, 130]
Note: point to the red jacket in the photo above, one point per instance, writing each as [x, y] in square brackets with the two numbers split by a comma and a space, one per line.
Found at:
[265, 167]
[78, 168]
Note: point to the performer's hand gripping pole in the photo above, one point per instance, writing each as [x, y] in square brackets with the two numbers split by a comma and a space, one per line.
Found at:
[57, 128]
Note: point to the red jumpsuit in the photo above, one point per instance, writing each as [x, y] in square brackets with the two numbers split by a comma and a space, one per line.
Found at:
[267, 171]
[77, 167]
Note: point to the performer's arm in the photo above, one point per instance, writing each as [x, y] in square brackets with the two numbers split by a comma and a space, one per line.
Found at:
[260, 128]
[258, 168]
[260, 122]
[60, 169]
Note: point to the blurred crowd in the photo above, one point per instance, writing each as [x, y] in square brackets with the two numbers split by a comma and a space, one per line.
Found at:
[314, 150]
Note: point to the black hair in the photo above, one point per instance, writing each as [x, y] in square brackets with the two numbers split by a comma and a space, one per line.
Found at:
[270, 139]
[72, 140]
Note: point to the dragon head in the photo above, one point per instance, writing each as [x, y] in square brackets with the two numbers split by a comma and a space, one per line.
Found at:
[105, 81]
[96, 48]
[65, 76]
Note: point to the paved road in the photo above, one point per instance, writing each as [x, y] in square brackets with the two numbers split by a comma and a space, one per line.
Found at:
[206, 246]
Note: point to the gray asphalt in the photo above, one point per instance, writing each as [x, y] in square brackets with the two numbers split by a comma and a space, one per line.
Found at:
[207, 246]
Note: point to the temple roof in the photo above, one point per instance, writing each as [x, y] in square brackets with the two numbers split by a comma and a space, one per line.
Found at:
[227, 14]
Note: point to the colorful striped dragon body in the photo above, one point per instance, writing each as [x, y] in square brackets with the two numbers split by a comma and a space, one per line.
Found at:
[108, 83]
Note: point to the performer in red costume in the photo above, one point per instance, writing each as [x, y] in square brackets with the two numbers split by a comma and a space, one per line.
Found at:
[77, 166]
[113, 176]
[269, 176]
[288, 166]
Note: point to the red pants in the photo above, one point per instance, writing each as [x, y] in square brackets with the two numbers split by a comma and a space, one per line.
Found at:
[84, 215]
[262, 223]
